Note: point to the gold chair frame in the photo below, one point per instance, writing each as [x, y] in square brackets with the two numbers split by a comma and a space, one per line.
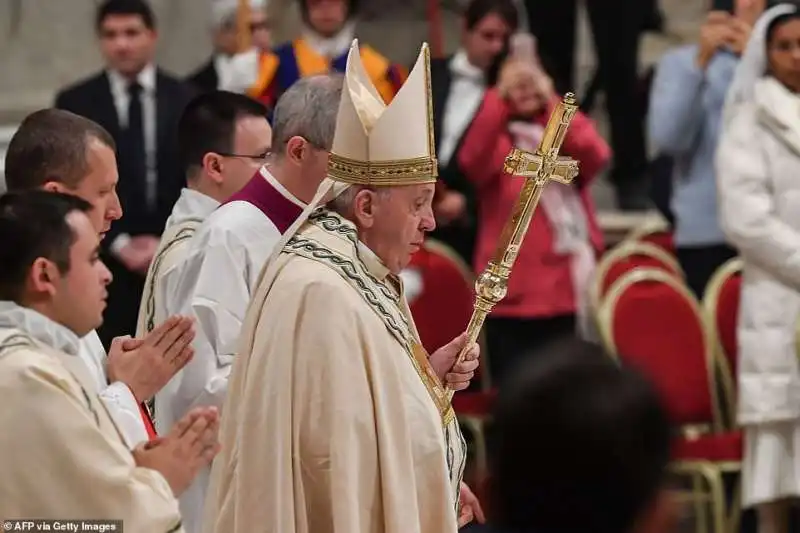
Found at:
[619, 253]
[651, 226]
[723, 520]
[711, 295]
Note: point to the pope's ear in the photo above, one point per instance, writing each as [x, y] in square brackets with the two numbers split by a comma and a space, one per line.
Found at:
[364, 207]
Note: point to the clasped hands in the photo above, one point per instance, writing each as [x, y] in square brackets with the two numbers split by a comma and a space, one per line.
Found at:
[145, 365]
[190, 446]
[456, 376]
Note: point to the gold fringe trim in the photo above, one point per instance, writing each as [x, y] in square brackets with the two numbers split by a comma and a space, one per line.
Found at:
[383, 173]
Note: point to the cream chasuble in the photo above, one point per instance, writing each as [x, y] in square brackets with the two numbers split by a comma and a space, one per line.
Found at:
[65, 457]
[334, 421]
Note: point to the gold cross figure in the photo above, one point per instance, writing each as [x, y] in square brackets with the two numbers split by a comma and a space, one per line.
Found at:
[538, 169]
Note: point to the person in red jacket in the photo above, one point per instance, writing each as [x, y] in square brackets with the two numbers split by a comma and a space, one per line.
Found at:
[546, 291]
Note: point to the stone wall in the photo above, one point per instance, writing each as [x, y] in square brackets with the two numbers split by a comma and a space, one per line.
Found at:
[45, 44]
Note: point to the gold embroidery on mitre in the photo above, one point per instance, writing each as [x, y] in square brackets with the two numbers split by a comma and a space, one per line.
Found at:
[365, 149]
[383, 173]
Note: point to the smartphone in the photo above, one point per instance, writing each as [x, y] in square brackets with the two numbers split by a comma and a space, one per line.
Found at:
[722, 5]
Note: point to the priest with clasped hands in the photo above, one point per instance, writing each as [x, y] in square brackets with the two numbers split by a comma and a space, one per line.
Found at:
[64, 454]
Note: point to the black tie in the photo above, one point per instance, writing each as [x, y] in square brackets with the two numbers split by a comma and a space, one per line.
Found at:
[137, 154]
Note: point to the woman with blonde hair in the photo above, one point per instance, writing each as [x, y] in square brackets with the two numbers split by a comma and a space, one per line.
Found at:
[758, 165]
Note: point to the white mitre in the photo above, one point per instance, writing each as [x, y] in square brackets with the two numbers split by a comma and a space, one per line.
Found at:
[380, 145]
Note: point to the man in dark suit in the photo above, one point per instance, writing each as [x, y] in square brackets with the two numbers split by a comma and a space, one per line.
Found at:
[617, 26]
[139, 105]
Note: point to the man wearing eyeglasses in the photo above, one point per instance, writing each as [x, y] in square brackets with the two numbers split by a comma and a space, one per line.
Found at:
[223, 258]
[223, 139]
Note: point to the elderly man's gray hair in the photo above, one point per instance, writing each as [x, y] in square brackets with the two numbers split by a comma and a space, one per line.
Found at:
[308, 109]
[343, 204]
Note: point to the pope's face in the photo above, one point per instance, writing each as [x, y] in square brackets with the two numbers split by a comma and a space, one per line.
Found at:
[400, 217]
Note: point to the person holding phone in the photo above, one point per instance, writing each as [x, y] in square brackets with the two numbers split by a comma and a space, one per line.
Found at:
[686, 101]
[546, 294]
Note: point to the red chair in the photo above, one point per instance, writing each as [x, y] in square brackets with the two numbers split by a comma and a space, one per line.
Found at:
[721, 311]
[650, 320]
[441, 304]
[658, 233]
[624, 258]
[662, 239]
[444, 306]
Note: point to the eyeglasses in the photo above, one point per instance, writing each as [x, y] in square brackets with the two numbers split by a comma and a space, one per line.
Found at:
[259, 157]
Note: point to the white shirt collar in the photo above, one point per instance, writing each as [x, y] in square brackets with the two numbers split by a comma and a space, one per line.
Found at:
[146, 78]
[330, 47]
[280, 188]
[461, 67]
[191, 204]
[38, 327]
[222, 61]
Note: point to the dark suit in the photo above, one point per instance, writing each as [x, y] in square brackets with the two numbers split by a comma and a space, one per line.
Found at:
[92, 98]
[205, 78]
[616, 28]
[461, 234]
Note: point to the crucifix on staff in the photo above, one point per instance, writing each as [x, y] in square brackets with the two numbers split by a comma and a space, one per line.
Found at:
[538, 168]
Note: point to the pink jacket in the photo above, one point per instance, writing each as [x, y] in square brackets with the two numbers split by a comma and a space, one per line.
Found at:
[541, 283]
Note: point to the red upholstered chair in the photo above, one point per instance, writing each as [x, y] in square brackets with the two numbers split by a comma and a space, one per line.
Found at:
[440, 298]
[658, 233]
[662, 239]
[622, 259]
[721, 312]
[650, 320]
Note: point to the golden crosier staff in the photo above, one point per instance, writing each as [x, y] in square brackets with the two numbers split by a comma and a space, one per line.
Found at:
[538, 169]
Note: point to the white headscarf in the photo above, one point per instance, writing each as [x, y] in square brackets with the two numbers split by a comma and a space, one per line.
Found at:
[753, 64]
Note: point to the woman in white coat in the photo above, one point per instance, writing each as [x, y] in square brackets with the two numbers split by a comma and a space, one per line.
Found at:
[758, 168]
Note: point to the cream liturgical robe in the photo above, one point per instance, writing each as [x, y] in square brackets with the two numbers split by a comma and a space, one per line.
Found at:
[334, 421]
[62, 454]
[191, 209]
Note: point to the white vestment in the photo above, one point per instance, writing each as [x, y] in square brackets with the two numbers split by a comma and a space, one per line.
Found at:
[213, 284]
[191, 209]
[334, 421]
[64, 457]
